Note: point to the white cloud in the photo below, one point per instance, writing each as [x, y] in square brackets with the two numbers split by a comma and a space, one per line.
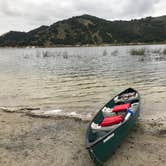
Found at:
[27, 14]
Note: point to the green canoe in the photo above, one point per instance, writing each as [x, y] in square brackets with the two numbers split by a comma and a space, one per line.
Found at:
[111, 124]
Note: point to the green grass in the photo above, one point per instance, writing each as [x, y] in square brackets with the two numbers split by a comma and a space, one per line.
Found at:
[140, 51]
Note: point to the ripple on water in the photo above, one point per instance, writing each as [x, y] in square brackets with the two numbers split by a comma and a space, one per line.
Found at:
[83, 81]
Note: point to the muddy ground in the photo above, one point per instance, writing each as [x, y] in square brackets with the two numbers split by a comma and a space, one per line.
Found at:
[29, 141]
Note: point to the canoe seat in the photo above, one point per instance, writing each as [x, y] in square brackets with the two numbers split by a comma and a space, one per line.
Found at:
[97, 128]
[108, 123]
[108, 112]
[115, 110]
[112, 120]
[126, 97]
[122, 107]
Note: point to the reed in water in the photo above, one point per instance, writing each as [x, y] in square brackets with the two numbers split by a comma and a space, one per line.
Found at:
[140, 51]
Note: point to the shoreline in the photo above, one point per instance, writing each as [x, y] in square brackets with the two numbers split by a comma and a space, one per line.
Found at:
[46, 141]
[86, 45]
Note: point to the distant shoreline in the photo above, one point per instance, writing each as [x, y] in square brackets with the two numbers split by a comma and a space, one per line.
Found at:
[88, 45]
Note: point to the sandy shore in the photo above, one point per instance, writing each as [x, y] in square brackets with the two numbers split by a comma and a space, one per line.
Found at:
[29, 141]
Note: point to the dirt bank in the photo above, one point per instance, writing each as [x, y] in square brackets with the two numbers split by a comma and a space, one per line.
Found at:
[29, 141]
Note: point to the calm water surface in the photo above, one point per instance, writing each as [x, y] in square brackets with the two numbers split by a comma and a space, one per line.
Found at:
[81, 79]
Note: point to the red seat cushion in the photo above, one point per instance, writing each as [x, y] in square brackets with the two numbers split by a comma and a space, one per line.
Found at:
[108, 121]
[121, 107]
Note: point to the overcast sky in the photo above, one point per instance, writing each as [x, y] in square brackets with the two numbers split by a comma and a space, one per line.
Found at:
[24, 15]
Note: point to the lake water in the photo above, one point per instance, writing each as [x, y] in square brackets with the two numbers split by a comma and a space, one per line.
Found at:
[81, 79]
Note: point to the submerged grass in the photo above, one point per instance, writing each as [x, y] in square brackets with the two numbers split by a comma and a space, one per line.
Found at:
[144, 51]
[164, 51]
[157, 51]
[140, 51]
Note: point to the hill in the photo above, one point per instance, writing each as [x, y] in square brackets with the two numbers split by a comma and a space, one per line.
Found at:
[86, 29]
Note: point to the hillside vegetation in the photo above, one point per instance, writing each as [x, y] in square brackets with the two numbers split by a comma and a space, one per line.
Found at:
[86, 29]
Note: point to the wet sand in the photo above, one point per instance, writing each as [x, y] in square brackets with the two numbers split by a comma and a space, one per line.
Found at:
[29, 141]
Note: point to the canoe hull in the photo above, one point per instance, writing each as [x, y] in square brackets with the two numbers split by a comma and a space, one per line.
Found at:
[101, 151]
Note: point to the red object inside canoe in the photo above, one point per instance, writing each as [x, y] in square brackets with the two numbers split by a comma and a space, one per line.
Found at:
[121, 107]
[108, 121]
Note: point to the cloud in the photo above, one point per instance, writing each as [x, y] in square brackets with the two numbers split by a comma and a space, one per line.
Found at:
[139, 8]
[28, 14]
